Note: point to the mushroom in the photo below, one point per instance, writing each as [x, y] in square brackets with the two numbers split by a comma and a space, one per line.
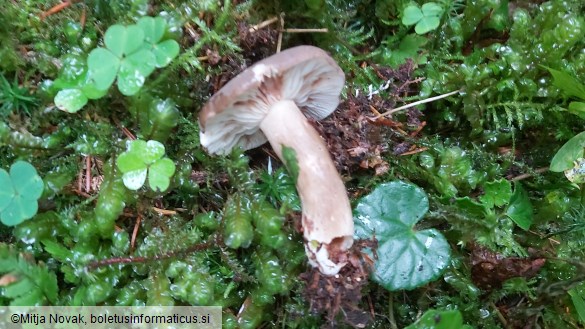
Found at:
[269, 102]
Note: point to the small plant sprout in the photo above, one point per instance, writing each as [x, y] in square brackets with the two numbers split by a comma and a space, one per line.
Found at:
[269, 102]
[406, 258]
[426, 18]
[146, 159]
[19, 191]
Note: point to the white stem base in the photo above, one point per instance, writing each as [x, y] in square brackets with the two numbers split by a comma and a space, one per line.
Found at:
[327, 218]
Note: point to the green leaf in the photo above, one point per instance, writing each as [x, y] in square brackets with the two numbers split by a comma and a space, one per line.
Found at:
[160, 118]
[430, 9]
[130, 161]
[412, 15]
[406, 258]
[20, 192]
[7, 191]
[123, 40]
[471, 207]
[567, 83]
[134, 179]
[133, 71]
[159, 174]
[19, 210]
[520, 208]
[409, 47]
[70, 100]
[427, 24]
[577, 108]
[102, 66]
[238, 229]
[153, 151]
[496, 193]
[568, 153]
[426, 19]
[165, 52]
[26, 181]
[578, 303]
[91, 91]
[434, 319]
[289, 156]
[153, 28]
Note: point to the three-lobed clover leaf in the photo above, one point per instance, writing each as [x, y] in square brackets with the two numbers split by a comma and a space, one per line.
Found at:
[426, 18]
[146, 159]
[19, 191]
[154, 29]
[131, 54]
[406, 258]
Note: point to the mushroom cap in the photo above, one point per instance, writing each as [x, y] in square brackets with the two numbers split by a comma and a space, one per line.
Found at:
[306, 75]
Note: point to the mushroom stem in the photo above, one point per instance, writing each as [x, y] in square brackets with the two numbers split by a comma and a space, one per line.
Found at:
[327, 218]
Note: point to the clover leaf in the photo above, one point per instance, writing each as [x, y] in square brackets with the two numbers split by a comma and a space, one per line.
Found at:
[426, 18]
[123, 59]
[19, 191]
[146, 159]
[130, 55]
[154, 29]
[406, 258]
[123, 40]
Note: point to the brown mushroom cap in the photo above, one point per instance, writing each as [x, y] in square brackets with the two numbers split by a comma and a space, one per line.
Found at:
[305, 74]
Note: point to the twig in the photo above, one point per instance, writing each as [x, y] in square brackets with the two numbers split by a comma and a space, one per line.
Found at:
[88, 174]
[133, 259]
[164, 211]
[422, 101]
[528, 175]
[279, 43]
[83, 17]
[80, 178]
[262, 25]
[422, 149]
[55, 9]
[135, 231]
[324, 30]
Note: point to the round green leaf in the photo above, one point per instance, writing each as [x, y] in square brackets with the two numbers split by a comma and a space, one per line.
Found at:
[137, 146]
[19, 210]
[427, 24]
[571, 151]
[26, 181]
[165, 52]
[134, 179]
[406, 258]
[412, 14]
[159, 174]
[520, 208]
[90, 89]
[154, 28]
[103, 66]
[130, 161]
[133, 71]
[73, 69]
[7, 191]
[153, 151]
[70, 100]
[123, 40]
[432, 9]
